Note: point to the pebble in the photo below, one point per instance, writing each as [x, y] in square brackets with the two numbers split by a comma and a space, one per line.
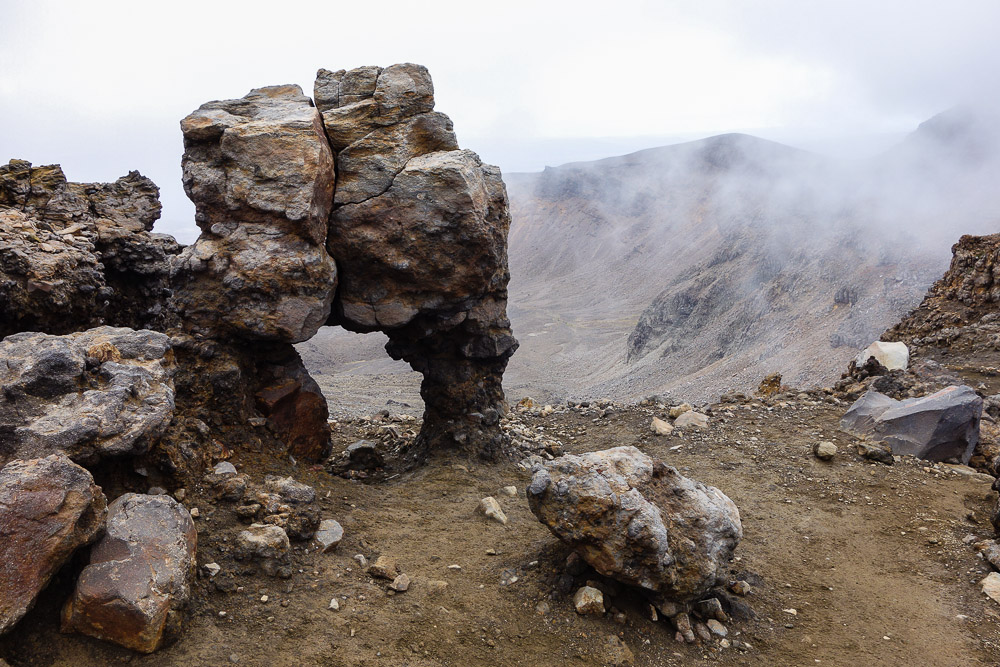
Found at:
[334, 604]
[824, 450]
[328, 535]
[991, 585]
[264, 599]
[455, 567]
[589, 600]
[211, 569]
[717, 628]
[691, 418]
[490, 508]
[385, 567]
[362, 561]
[195, 513]
[509, 491]
[224, 468]
[401, 583]
[180, 494]
[740, 587]
[660, 427]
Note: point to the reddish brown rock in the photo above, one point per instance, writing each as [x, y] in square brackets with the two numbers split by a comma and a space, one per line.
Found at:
[139, 578]
[48, 508]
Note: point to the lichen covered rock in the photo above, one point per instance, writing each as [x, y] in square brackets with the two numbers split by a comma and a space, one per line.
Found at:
[103, 392]
[638, 520]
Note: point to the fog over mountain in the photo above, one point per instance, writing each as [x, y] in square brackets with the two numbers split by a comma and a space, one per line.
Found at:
[701, 267]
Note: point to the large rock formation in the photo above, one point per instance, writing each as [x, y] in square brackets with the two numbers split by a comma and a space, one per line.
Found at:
[103, 392]
[638, 520]
[140, 574]
[76, 255]
[260, 173]
[419, 232]
[48, 508]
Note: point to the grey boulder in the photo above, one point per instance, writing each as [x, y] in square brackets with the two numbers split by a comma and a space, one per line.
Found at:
[939, 427]
[638, 520]
[103, 392]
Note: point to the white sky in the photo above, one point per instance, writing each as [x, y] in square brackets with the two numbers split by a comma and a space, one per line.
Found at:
[100, 86]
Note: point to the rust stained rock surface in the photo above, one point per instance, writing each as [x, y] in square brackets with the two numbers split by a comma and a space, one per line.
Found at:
[260, 173]
[139, 577]
[49, 508]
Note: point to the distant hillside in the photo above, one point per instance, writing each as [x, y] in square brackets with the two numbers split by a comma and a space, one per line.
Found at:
[698, 268]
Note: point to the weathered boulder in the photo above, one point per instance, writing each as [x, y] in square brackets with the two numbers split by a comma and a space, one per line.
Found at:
[638, 520]
[419, 232]
[293, 403]
[139, 579]
[103, 392]
[893, 356]
[77, 255]
[940, 427]
[49, 507]
[260, 173]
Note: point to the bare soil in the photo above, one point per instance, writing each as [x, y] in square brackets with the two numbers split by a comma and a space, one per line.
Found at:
[872, 558]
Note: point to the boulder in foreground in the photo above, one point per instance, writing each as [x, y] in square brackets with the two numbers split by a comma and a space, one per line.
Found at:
[940, 427]
[139, 575]
[48, 508]
[638, 520]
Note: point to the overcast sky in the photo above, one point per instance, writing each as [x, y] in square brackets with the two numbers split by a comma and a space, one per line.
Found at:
[100, 86]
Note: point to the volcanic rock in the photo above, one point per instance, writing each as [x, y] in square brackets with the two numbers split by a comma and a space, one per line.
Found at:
[638, 520]
[78, 255]
[267, 544]
[49, 507]
[939, 427]
[103, 392]
[139, 577]
[260, 173]
[430, 271]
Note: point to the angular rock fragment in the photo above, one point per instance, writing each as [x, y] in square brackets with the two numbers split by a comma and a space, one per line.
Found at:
[638, 520]
[329, 534]
[893, 356]
[103, 392]
[49, 507]
[139, 579]
[691, 418]
[939, 427]
[589, 600]
[490, 508]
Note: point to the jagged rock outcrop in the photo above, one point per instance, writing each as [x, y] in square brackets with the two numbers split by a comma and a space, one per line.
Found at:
[638, 520]
[77, 255]
[260, 173]
[419, 232]
[103, 392]
[49, 508]
[139, 577]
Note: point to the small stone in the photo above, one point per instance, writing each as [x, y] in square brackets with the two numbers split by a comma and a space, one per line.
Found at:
[660, 427]
[875, 453]
[825, 450]
[362, 561]
[509, 491]
[224, 468]
[195, 513]
[180, 494]
[542, 608]
[725, 643]
[401, 583]
[739, 587]
[678, 410]
[991, 585]
[211, 569]
[790, 611]
[683, 623]
[435, 586]
[334, 604]
[385, 567]
[264, 599]
[716, 627]
[710, 608]
[691, 418]
[702, 632]
[589, 600]
[328, 535]
[455, 567]
[651, 613]
[490, 508]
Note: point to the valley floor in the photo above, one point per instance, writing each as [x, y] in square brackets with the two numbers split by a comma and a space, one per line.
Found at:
[874, 560]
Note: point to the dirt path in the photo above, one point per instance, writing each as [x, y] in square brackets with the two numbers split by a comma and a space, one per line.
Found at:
[871, 558]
